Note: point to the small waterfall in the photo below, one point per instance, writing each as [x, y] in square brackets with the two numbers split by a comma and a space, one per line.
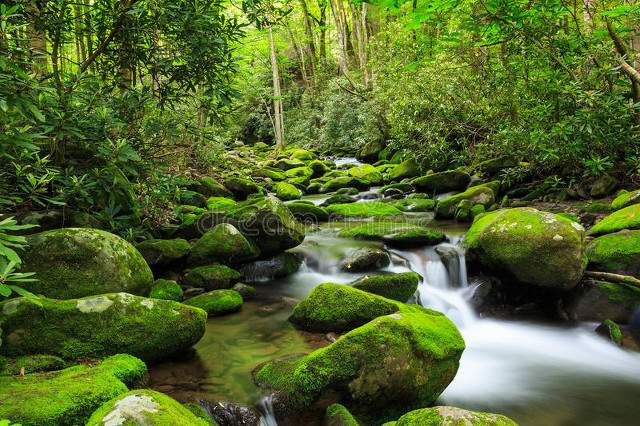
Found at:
[265, 405]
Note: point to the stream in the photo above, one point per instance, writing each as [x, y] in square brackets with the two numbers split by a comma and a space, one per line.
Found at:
[536, 374]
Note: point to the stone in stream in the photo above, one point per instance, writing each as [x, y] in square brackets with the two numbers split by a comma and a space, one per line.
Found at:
[223, 244]
[338, 199]
[279, 266]
[231, 413]
[446, 208]
[451, 416]
[611, 331]
[217, 303]
[395, 234]
[79, 262]
[166, 290]
[308, 212]
[212, 277]
[287, 192]
[267, 221]
[98, 326]
[626, 199]
[319, 168]
[626, 218]
[365, 259]
[438, 183]
[618, 253]
[363, 210]
[406, 169]
[400, 287]
[242, 187]
[371, 151]
[597, 301]
[401, 360]
[144, 407]
[343, 182]
[415, 205]
[338, 415]
[164, 252]
[528, 246]
[366, 173]
[68, 397]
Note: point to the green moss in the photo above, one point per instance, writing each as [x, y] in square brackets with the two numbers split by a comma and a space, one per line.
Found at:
[99, 326]
[370, 152]
[200, 413]
[402, 186]
[308, 212]
[338, 199]
[343, 182]
[303, 172]
[192, 198]
[366, 173]
[338, 415]
[166, 290]
[626, 218]
[572, 217]
[399, 287]
[406, 169]
[241, 187]
[598, 208]
[78, 262]
[415, 205]
[216, 203]
[475, 195]
[397, 234]
[618, 253]
[212, 277]
[286, 192]
[626, 199]
[184, 210]
[303, 155]
[224, 244]
[494, 185]
[614, 331]
[246, 291]
[31, 364]
[319, 168]
[363, 210]
[68, 397]
[163, 252]
[144, 407]
[495, 165]
[625, 294]
[218, 302]
[533, 247]
[365, 259]
[210, 187]
[452, 180]
[452, 416]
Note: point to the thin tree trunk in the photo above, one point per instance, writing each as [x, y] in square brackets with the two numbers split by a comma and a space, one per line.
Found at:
[89, 30]
[277, 101]
[342, 47]
[55, 48]
[37, 41]
[309, 32]
[81, 50]
[323, 33]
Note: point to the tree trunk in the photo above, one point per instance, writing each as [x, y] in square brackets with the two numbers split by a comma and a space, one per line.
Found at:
[37, 41]
[323, 32]
[342, 47]
[89, 31]
[311, 44]
[278, 122]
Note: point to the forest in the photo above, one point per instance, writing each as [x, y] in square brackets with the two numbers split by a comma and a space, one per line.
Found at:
[319, 212]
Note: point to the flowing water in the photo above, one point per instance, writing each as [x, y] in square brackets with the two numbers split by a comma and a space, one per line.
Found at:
[536, 374]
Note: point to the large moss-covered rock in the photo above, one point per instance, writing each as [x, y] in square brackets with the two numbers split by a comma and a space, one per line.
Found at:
[338, 415]
[99, 326]
[451, 416]
[192, 198]
[370, 152]
[163, 252]
[400, 287]
[166, 290]
[338, 199]
[46, 220]
[300, 172]
[400, 360]
[319, 168]
[365, 259]
[366, 173]
[597, 301]
[406, 169]
[475, 195]
[213, 277]
[30, 364]
[144, 407]
[534, 247]
[618, 253]
[626, 218]
[286, 164]
[343, 182]
[224, 244]
[625, 199]
[217, 203]
[302, 155]
[308, 212]
[70, 396]
[218, 302]
[78, 262]
[452, 180]
[210, 187]
[266, 220]
[241, 187]
[363, 210]
[395, 234]
[495, 165]
[287, 192]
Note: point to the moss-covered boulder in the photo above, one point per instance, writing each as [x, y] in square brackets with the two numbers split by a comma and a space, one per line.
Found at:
[213, 277]
[319, 168]
[166, 290]
[475, 195]
[366, 173]
[224, 244]
[218, 302]
[279, 266]
[210, 187]
[452, 180]
[275, 175]
[247, 292]
[46, 220]
[287, 164]
[626, 218]
[303, 155]
[603, 186]
[185, 210]
[363, 210]
[287, 192]
[78, 262]
[618, 253]
[400, 360]
[144, 407]
[266, 220]
[534, 247]
[217, 203]
[406, 169]
[338, 415]
[625, 199]
[365, 259]
[597, 301]
[370, 152]
[343, 182]
[399, 287]
[192, 198]
[70, 396]
[164, 252]
[241, 187]
[300, 172]
[30, 364]
[395, 234]
[402, 186]
[493, 166]
[451, 416]
[415, 205]
[308, 213]
[99, 326]
[338, 199]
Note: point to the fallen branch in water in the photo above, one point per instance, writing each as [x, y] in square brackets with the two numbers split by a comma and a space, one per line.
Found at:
[613, 278]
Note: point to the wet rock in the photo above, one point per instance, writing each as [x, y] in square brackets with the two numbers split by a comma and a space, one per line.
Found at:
[224, 244]
[278, 266]
[308, 213]
[241, 187]
[217, 303]
[230, 413]
[365, 259]
[395, 234]
[343, 182]
[166, 290]
[366, 173]
[363, 210]
[598, 301]
[625, 199]
[626, 218]
[400, 287]
[338, 199]
[164, 252]
[287, 192]
[611, 331]
[438, 183]
[370, 152]
[451, 416]
[246, 291]
[447, 207]
[319, 168]
[212, 277]
[406, 169]
[618, 253]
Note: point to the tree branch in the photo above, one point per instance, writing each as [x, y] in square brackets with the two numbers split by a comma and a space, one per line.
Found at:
[364, 98]
[613, 278]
